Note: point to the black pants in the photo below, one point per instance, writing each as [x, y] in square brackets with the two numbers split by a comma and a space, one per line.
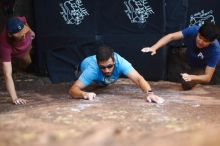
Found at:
[177, 64]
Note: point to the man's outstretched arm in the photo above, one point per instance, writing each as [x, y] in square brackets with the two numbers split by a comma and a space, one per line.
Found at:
[76, 91]
[7, 71]
[139, 81]
[163, 41]
[144, 85]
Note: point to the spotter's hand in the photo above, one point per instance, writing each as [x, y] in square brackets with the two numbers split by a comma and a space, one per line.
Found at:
[148, 49]
[186, 77]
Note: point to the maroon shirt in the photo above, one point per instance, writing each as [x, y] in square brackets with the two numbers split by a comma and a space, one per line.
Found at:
[7, 51]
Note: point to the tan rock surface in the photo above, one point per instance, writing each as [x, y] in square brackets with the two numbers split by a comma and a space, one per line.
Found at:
[119, 116]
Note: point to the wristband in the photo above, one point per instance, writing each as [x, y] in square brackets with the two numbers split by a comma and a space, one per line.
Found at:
[150, 92]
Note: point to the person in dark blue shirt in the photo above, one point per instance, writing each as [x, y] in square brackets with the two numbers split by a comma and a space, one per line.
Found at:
[202, 54]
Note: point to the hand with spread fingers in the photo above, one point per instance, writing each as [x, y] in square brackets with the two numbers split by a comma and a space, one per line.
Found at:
[151, 97]
[89, 96]
[18, 101]
[148, 49]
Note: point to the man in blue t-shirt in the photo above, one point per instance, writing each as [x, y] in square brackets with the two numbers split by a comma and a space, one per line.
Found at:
[202, 54]
[105, 68]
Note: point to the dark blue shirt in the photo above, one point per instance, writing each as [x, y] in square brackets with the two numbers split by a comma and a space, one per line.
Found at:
[208, 56]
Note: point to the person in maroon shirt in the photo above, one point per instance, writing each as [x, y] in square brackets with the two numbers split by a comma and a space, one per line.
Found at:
[15, 42]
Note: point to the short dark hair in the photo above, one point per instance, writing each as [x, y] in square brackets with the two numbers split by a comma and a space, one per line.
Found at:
[209, 31]
[104, 53]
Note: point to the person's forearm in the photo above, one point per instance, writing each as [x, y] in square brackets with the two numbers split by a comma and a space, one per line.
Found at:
[144, 85]
[201, 78]
[10, 87]
[162, 42]
[76, 93]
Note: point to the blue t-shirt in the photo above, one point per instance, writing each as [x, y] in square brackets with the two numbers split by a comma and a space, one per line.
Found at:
[208, 56]
[92, 73]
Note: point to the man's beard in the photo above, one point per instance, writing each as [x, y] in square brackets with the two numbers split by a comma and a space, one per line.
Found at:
[107, 75]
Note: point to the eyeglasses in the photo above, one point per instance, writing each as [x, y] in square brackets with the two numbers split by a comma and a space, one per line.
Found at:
[107, 66]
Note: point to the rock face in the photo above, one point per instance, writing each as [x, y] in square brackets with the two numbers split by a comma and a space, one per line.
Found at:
[118, 116]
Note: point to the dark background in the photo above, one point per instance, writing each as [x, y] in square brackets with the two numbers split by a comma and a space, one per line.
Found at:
[59, 47]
